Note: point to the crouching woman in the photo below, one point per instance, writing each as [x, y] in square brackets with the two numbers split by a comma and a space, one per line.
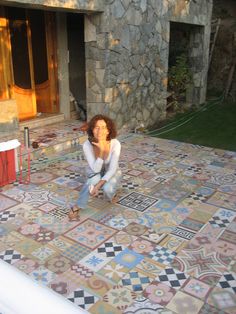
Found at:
[102, 152]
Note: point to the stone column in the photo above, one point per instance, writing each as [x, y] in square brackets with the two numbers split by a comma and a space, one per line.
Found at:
[63, 69]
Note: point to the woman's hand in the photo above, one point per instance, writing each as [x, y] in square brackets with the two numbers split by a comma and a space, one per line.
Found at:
[94, 191]
[97, 187]
[103, 148]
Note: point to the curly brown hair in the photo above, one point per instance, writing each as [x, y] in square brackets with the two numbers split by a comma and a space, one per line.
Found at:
[110, 126]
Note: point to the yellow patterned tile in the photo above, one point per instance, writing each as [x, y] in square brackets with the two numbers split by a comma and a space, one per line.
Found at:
[173, 243]
[97, 285]
[113, 271]
[184, 303]
[150, 267]
[27, 246]
[61, 243]
[101, 307]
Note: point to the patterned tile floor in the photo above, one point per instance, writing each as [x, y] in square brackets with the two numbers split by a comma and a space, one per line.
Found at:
[167, 246]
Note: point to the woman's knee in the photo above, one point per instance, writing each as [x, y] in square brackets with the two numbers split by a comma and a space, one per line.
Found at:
[94, 180]
[108, 188]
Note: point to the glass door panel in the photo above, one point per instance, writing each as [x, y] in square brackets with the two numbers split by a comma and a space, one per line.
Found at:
[40, 63]
[5, 58]
[22, 62]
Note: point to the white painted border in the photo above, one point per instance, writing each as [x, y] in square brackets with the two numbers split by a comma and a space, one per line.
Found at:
[19, 294]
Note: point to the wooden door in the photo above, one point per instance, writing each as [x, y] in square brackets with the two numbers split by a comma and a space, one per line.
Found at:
[6, 77]
[43, 43]
[29, 74]
[22, 62]
[50, 24]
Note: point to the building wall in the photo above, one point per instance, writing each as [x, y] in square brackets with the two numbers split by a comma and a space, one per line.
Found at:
[126, 51]
[127, 57]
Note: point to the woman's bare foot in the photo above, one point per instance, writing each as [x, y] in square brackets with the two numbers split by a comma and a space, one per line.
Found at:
[74, 212]
[115, 198]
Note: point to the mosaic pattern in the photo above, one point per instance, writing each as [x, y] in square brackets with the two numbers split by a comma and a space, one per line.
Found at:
[184, 303]
[167, 246]
[6, 202]
[162, 255]
[172, 277]
[90, 233]
[135, 281]
[159, 293]
[137, 201]
[82, 298]
[10, 256]
[142, 304]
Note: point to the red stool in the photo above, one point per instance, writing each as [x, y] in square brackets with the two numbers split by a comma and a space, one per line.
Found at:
[7, 167]
[8, 161]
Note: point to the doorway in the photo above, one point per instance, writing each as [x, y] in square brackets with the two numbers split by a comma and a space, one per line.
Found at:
[186, 63]
[76, 48]
[31, 68]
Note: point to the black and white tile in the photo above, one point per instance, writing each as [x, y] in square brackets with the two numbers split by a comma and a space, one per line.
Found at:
[137, 201]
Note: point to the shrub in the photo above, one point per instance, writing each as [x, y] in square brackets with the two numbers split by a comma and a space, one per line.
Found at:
[179, 78]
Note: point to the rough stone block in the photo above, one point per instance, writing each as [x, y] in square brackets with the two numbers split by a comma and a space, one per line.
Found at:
[90, 30]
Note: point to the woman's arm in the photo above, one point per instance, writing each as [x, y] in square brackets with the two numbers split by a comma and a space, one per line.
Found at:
[113, 165]
[97, 187]
[94, 164]
[114, 162]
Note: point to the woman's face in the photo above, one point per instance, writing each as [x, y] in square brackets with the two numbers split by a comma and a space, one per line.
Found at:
[100, 130]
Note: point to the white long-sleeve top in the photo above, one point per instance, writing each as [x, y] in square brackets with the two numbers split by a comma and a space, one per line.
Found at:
[96, 164]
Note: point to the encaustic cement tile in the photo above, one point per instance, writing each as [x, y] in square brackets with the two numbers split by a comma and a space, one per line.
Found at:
[120, 297]
[197, 288]
[102, 307]
[143, 304]
[97, 285]
[135, 280]
[184, 303]
[90, 233]
[82, 298]
[6, 202]
[223, 200]
[123, 238]
[113, 271]
[173, 243]
[222, 300]
[159, 293]
[200, 264]
[149, 267]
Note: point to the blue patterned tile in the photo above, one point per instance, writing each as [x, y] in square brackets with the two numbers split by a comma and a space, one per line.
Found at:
[128, 258]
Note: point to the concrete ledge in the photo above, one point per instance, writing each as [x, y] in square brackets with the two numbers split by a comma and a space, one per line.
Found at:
[42, 121]
[79, 5]
[9, 115]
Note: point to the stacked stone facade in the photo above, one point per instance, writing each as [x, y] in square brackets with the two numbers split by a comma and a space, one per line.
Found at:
[127, 57]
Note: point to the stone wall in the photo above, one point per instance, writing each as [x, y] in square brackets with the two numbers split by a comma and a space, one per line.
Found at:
[224, 54]
[127, 57]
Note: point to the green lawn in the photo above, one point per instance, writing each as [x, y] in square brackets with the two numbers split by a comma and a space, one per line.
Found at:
[214, 125]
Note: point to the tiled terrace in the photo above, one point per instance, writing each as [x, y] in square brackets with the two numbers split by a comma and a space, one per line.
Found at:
[167, 246]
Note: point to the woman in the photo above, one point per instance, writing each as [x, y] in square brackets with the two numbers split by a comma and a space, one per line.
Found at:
[102, 152]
